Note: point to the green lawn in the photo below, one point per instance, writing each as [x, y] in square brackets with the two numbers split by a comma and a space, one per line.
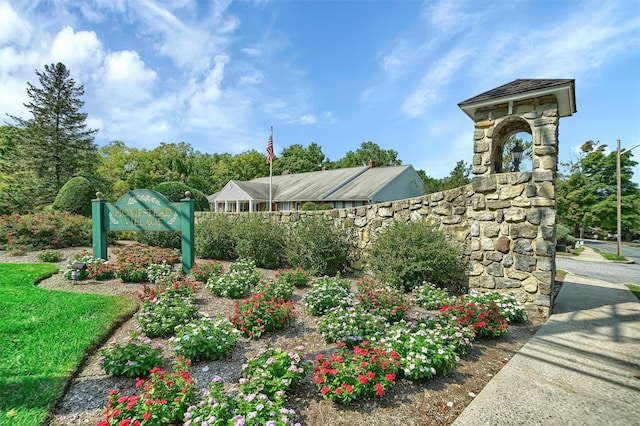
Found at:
[44, 336]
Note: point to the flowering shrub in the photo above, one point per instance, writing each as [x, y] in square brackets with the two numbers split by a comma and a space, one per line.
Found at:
[205, 339]
[178, 286]
[232, 284]
[423, 351]
[49, 256]
[459, 335]
[485, 319]
[258, 314]
[297, 277]
[245, 265]
[39, 231]
[133, 358]
[158, 271]
[131, 272]
[388, 302]
[164, 399]
[510, 309]
[204, 271]
[143, 255]
[431, 297]
[350, 324]
[274, 288]
[234, 407]
[160, 316]
[236, 283]
[363, 372]
[273, 371]
[97, 269]
[327, 293]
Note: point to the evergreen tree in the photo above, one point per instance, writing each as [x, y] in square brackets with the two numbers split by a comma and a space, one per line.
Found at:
[56, 137]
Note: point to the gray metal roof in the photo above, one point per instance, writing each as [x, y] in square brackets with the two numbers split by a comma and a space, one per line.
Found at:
[348, 184]
[310, 186]
[365, 185]
[562, 89]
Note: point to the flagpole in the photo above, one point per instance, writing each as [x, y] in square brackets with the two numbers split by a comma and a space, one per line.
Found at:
[270, 172]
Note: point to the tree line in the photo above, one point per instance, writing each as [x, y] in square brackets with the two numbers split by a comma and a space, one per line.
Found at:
[39, 154]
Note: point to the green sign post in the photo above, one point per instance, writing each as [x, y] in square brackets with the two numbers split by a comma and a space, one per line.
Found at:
[144, 210]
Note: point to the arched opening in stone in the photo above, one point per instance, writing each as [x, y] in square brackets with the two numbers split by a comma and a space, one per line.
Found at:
[505, 136]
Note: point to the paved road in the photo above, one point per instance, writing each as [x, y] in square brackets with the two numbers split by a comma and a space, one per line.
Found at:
[618, 273]
[630, 251]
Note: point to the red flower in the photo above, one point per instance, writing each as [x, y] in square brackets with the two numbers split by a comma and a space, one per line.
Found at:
[147, 415]
[325, 390]
[379, 389]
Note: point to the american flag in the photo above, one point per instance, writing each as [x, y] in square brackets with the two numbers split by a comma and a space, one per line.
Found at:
[270, 148]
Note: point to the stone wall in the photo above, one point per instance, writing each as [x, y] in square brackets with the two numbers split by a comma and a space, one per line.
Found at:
[506, 222]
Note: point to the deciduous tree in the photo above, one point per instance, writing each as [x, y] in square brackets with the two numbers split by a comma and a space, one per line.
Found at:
[587, 194]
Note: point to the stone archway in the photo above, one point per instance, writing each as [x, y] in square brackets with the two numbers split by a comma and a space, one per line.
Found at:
[503, 131]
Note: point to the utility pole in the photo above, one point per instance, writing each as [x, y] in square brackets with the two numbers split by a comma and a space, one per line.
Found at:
[619, 195]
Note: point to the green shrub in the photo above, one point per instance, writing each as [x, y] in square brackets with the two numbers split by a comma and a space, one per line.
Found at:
[30, 232]
[205, 338]
[317, 246]
[260, 240]
[309, 205]
[174, 191]
[49, 256]
[164, 239]
[297, 277]
[132, 358]
[563, 235]
[213, 238]
[406, 254]
[75, 197]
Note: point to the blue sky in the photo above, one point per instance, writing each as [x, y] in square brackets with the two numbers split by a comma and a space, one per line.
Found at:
[218, 74]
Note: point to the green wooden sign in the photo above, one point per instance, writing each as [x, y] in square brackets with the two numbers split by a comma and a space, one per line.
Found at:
[144, 210]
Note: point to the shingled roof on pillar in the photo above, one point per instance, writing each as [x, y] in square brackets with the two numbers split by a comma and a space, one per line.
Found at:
[563, 89]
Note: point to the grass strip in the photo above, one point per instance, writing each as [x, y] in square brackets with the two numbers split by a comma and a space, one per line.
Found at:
[635, 289]
[609, 256]
[44, 337]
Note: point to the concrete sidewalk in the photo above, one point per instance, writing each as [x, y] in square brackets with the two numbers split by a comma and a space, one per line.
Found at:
[581, 368]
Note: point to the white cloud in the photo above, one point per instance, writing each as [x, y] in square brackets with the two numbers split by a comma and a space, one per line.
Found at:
[449, 17]
[204, 95]
[125, 78]
[81, 51]
[14, 29]
[307, 119]
[431, 85]
[187, 42]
